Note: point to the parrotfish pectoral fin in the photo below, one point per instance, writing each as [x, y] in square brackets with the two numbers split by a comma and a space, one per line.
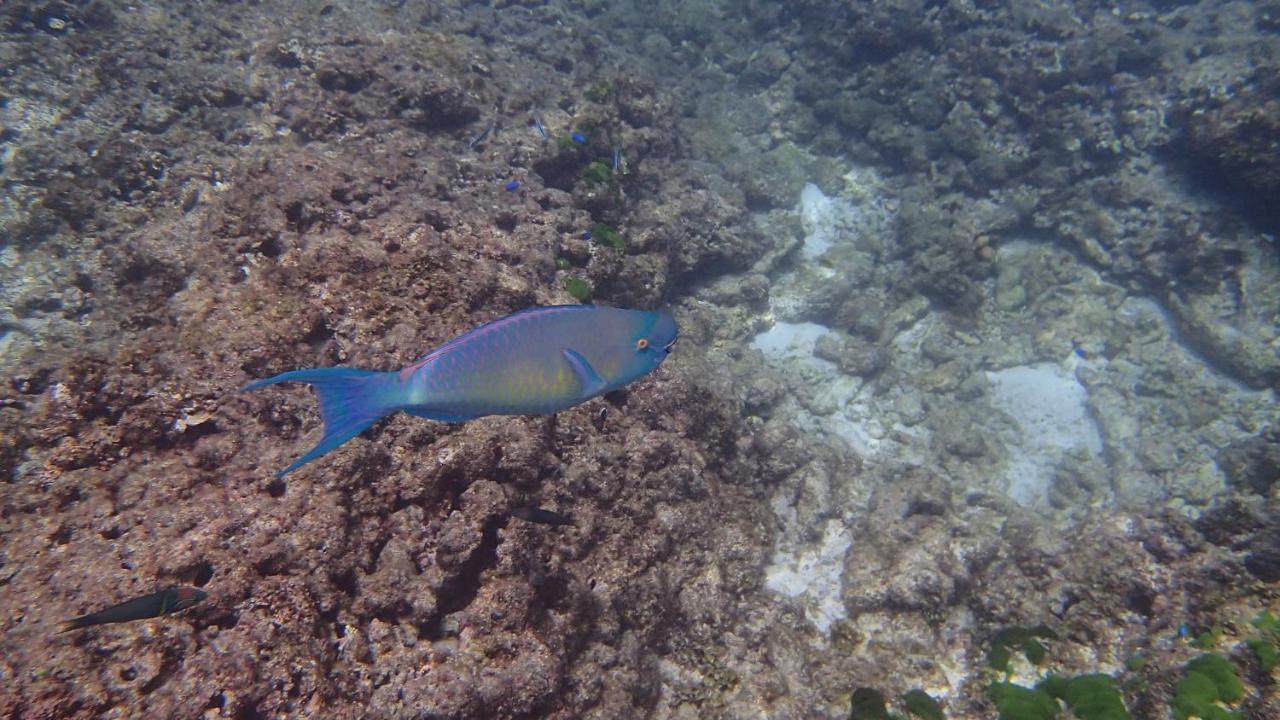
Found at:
[350, 401]
[592, 383]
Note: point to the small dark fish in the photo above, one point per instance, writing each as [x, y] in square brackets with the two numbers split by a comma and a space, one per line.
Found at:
[164, 602]
[586, 234]
[539, 126]
[1082, 353]
[480, 138]
[617, 158]
[578, 138]
[513, 186]
[541, 516]
[190, 200]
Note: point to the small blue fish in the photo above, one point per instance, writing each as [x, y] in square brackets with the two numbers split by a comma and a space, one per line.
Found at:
[539, 126]
[586, 234]
[1082, 353]
[578, 138]
[534, 362]
[617, 158]
[513, 186]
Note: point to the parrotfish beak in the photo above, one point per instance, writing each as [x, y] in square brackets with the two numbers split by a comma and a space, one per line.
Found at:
[664, 332]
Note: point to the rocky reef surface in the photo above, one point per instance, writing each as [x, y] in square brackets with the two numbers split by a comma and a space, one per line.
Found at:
[978, 307]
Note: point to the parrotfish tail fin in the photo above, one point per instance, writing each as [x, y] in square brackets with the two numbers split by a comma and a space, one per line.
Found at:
[350, 401]
[73, 624]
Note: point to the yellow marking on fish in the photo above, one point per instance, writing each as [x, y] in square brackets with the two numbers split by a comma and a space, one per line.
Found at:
[610, 368]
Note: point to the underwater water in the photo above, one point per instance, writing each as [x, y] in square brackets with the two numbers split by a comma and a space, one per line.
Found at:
[957, 397]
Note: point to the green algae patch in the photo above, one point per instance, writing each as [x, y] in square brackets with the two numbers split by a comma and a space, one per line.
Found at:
[1264, 646]
[922, 705]
[868, 704]
[596, 173]
[1221, 672]
[1265, 651]
[1266, 622]
[1195, 696]
[1090, 697]
[1022, 638]
[578, 288]
[1207, 639]
[598, 91]
[606, 235]
[1015, 702]
[1209, 679]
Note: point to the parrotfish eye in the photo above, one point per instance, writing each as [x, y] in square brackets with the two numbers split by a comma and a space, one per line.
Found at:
[642, 343]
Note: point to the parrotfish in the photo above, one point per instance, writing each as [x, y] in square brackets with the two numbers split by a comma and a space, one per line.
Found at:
[164, 602]
[534, 362]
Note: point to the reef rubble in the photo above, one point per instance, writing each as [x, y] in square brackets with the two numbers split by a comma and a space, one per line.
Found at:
[873, 223]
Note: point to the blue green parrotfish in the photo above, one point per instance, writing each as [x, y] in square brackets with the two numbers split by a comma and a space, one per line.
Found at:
[535, 362]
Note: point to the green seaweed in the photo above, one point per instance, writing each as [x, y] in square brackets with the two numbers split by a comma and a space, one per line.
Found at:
[1209, 678]
[1015, 702]
[1196, 696]
[1264, 646]
[1024, 638]
[1207, 639]
[1135, 663]
[562, 263]
[596, 173]
[606, 235]
[1266, 622]
[1090, 697]
[868, 704]
[1265, 651]
[1221, 672]
[597, 91]
[578, 288]
[998, 657]
[919, 703]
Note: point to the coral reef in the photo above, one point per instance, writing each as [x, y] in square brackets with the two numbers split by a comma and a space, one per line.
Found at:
[839, 481]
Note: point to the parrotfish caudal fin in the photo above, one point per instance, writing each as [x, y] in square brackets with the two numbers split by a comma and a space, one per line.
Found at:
[350, 401]
[72, 624]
